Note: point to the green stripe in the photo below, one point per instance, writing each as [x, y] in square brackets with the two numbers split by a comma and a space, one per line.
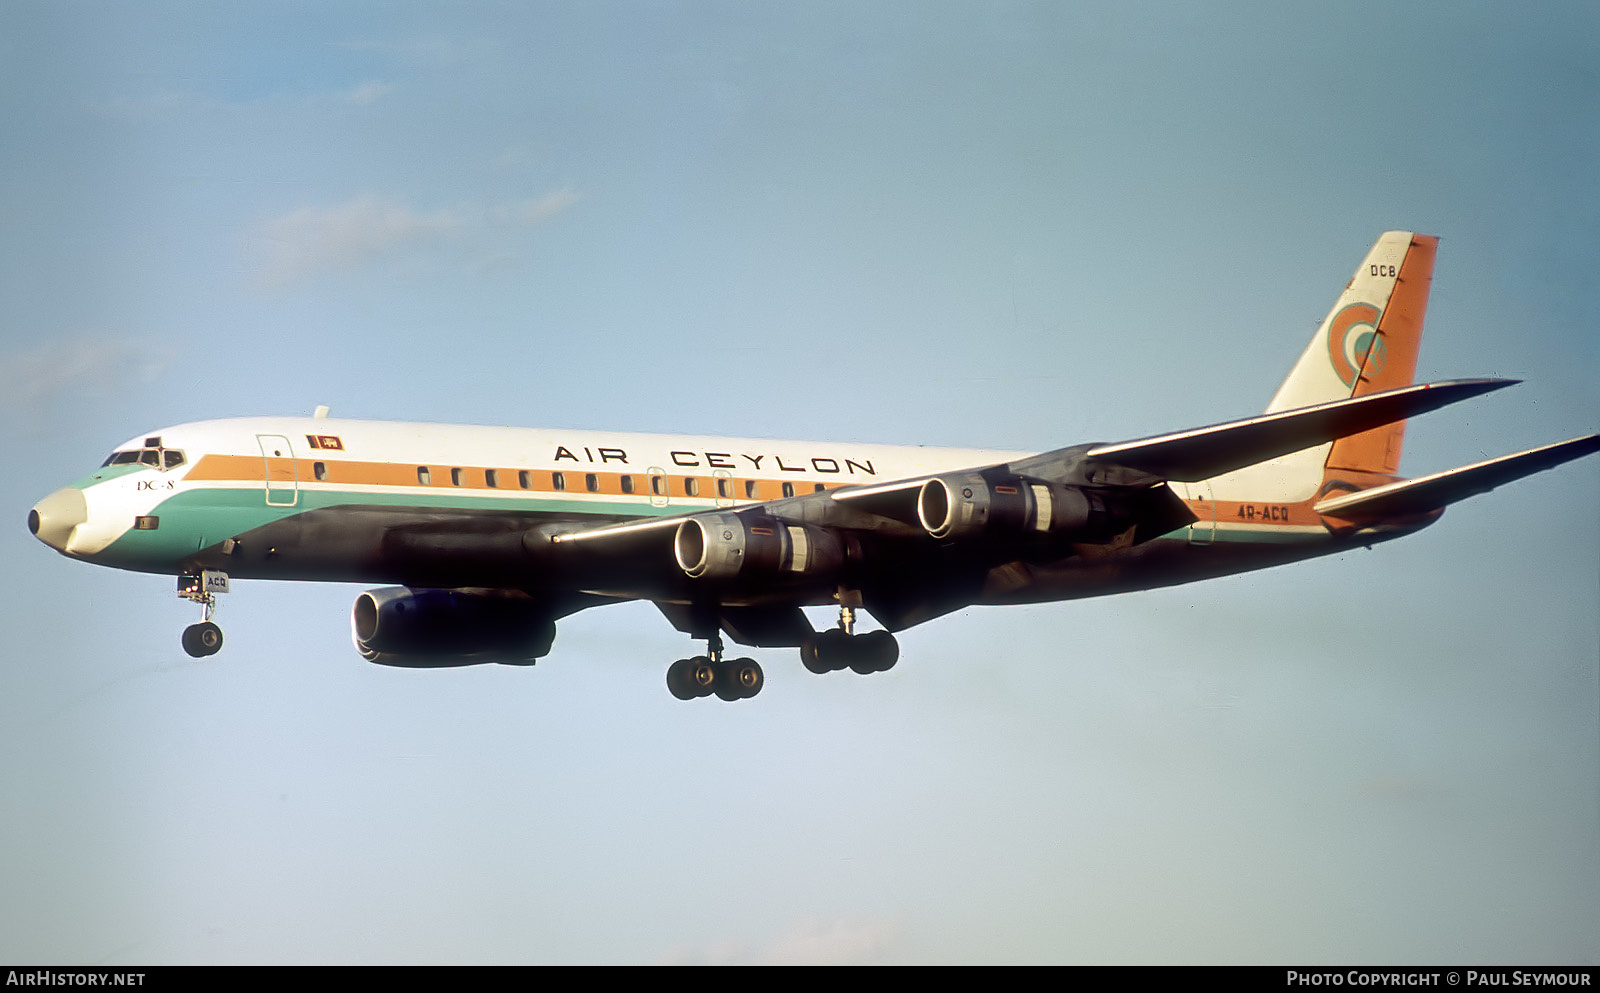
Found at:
[106, 473]
[1270, 536]
[199, 518]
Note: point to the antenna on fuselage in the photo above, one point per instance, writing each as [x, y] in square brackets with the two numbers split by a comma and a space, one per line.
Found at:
[321, 413]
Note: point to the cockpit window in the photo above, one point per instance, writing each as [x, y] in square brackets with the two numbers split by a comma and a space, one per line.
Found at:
[156, 458]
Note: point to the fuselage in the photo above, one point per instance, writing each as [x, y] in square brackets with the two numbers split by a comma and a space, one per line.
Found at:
[388, 502]
[482, 538]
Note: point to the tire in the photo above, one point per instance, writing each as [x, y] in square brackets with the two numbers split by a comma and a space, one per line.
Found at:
[746, 674]
[835, 649]
[201, 640]
[877, 650]
[702, 676]
[811, 657]
[680, 682]
[210, 637]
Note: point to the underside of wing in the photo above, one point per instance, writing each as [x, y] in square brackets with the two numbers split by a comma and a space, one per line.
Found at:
[1429, 493]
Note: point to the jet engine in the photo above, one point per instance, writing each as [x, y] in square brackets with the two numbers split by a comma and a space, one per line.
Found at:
[964, 505]
[723, 546]
[428, 628]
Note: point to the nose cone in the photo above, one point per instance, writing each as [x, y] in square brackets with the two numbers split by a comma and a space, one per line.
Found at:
[52, 519]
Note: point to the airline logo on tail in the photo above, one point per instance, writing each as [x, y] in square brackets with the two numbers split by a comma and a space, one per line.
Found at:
[1365, 353]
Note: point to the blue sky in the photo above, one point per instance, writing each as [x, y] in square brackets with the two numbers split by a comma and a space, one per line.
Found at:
[1003, 225]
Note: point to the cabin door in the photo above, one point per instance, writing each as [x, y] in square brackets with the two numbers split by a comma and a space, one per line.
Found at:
[278, 468]
[1203, 531]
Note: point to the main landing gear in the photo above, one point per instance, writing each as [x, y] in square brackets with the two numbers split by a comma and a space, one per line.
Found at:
[703, 675]
[841, 648]
[205, 638]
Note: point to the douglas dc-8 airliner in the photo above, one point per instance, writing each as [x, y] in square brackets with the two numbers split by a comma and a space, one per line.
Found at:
[485, 536]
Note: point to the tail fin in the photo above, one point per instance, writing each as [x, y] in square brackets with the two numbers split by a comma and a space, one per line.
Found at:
[1367, 344]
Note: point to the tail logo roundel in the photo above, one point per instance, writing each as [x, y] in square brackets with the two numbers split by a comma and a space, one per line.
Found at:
[1352, 335]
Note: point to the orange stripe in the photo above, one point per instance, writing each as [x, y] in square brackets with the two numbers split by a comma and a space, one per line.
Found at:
[349, 472]
[1257, 512]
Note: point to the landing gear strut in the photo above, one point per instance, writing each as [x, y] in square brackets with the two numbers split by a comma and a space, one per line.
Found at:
[703, 675]
[841, 648]
[205, 638]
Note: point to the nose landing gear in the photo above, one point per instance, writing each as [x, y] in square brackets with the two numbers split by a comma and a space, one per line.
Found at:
[205, 638]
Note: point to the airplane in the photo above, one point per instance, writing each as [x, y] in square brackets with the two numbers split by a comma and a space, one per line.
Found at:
[484, 537]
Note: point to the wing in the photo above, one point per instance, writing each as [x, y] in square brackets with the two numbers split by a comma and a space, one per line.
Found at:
[1429, 493]
[1202, 453]
[1085, 493]
[916, 547]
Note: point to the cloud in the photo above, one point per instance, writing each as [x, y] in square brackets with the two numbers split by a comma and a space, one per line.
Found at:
[810, 941]
[32, 382]
[312, 240]
[177, 102]
[530, 212]
[367, 93]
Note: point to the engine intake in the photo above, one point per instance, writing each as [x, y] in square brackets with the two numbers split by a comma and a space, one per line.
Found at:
[965, 505]
[723, 546]
[427, 628]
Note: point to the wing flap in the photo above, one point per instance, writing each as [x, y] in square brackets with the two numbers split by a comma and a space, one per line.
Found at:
[1427, 493]
[1205, 452]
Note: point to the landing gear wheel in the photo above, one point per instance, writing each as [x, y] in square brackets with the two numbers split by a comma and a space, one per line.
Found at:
[835, 648]
[811, 655]
[875, 651]
[203, 639]
[702, 675]
[680, 682]
[739, 679]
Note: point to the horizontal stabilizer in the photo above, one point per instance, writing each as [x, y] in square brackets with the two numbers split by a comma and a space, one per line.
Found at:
[1211, 451]
[1418, 496]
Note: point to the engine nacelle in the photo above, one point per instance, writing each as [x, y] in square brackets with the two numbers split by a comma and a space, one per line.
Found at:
[965, 505]
[426, 629]
[723, 546]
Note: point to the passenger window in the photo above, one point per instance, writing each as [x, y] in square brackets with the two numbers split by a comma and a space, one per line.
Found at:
[491, 478]
[424, 476]
[820, 488]
[525, 480]
[691, 486]
[455, 477]
[320, 470]
[558, 480]
[627, 484]
[749, 489]
[591, 482]
[724, 487]
[788, 489]
[658, 485]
